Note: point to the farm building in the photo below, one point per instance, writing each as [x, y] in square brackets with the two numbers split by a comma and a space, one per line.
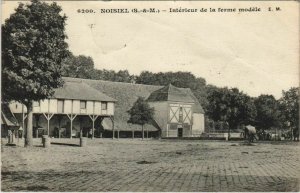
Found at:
[103, 105]
[177, 113]
[162, 98]
[74, 108]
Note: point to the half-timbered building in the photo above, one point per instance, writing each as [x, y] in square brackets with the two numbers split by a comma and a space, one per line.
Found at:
[177, 113]
[74, 109]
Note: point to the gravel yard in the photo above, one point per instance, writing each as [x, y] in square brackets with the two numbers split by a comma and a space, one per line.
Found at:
[151, 165]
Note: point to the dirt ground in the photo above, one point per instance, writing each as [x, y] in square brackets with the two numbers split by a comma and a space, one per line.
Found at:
[151, 165]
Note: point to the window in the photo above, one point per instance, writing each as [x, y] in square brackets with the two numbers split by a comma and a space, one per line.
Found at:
[82, 104]
[36, 103]
[60, 106]
[104, 105]
[180, 115]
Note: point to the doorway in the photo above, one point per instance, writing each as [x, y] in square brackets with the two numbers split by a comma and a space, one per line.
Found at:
[180, 132]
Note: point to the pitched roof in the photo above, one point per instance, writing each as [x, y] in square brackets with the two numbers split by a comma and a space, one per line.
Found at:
[77, 89]
[197, 108]
[7, 117]
[126, 94]
[171, 93]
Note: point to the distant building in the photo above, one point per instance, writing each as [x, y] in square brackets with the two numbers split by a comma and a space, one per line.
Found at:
[177, 112]
[83, 104]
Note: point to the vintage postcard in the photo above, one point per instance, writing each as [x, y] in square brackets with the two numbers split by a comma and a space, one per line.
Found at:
[150, 96]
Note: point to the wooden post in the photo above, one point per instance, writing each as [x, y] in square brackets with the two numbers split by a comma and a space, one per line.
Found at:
[101, 119]
[37, 117]
[48, 117]
[59, 118]
[113, 126]
[118, 133]
[132, 133]
[71, 119]
[93, 118]
[48, 121]
[93, 128]
[71, 126]
[48, 127]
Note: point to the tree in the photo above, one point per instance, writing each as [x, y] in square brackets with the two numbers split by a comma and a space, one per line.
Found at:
[78, 66]
[34, 46]
[141, 113]
[267, 112]
[230, 106]
[289, 107]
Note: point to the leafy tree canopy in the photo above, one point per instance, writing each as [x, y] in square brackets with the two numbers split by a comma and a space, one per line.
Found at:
[33, 47]
[289, 107]
[78, 66]
[140, 113]
[83, 67]
[230, 105]
[267, 112]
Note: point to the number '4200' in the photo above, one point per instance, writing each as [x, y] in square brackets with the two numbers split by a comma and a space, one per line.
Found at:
[85, 11]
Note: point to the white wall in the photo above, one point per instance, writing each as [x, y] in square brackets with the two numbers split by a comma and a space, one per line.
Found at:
[16, 107]
[53, 106]
[44, 106]
[90, 107]
[76, 106]
[68, 106]
[198, 124]
[50, 105]
[98, 108]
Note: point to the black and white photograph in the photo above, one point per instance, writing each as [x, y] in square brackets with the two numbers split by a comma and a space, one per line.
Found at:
[150, 96]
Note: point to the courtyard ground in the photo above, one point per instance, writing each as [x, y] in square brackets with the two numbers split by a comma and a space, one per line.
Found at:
[151, 165]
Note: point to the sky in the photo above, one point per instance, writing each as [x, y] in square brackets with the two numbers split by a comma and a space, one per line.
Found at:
[257, 52]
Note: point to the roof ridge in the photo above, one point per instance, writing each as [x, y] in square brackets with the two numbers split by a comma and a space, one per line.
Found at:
[116, 82]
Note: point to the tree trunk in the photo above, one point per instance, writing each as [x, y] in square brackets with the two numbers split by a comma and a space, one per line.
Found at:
[28, 139]
[143, 132]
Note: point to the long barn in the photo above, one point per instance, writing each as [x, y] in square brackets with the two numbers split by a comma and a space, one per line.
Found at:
[83, 104]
